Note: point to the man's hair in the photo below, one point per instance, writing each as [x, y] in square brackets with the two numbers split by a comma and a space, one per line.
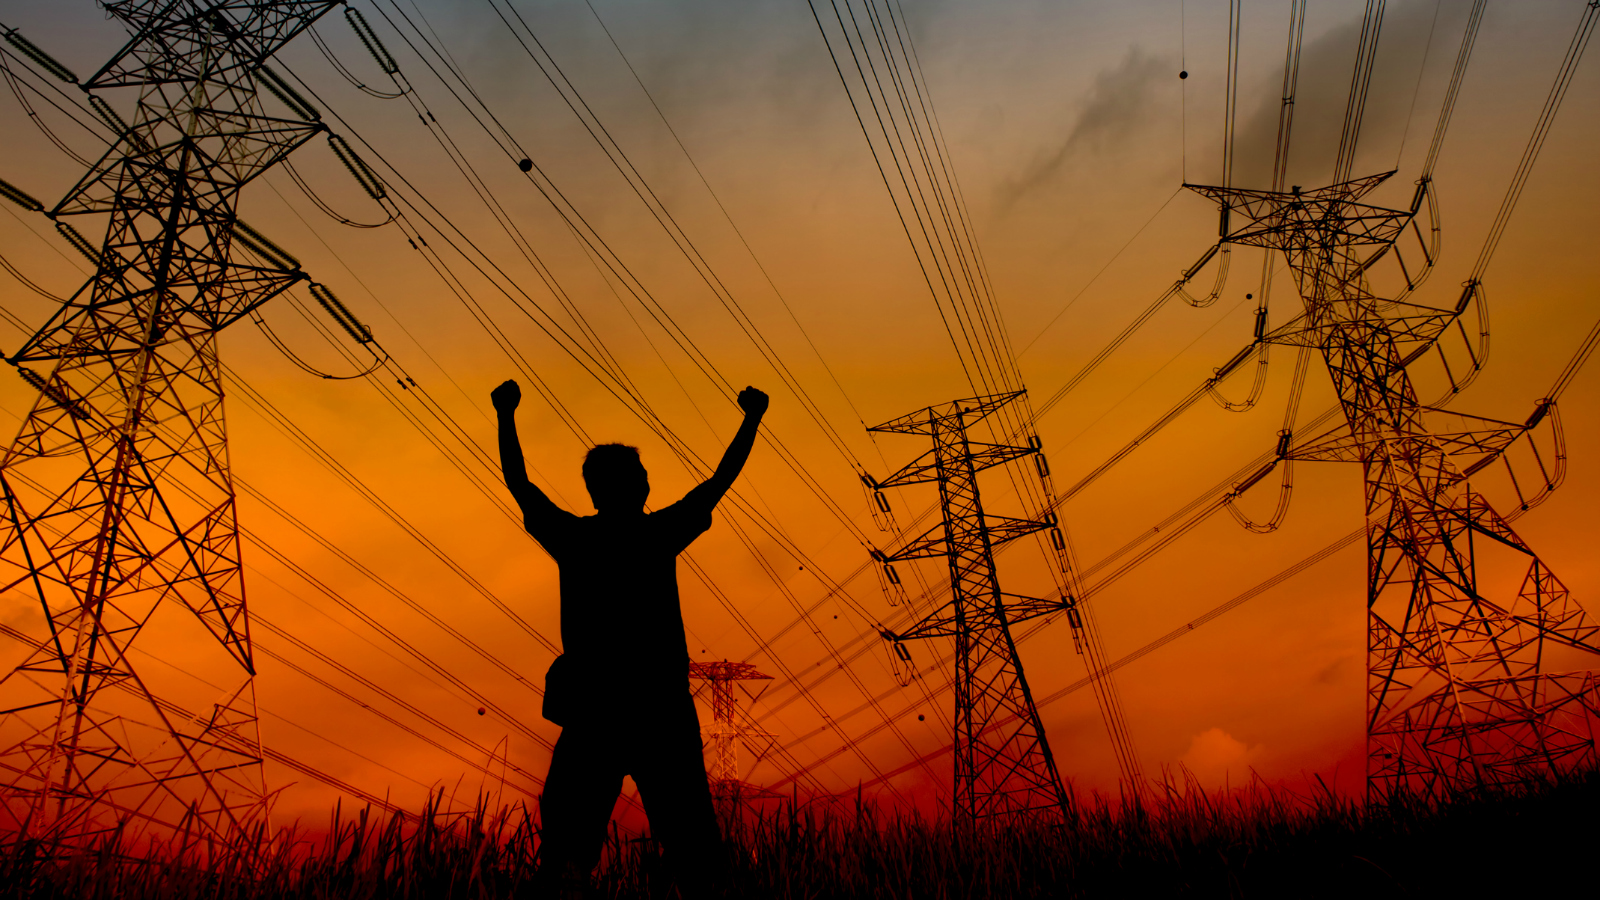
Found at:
[605, 462]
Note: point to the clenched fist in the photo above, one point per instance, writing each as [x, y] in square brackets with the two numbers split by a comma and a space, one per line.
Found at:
[506, 397]
[753, 402]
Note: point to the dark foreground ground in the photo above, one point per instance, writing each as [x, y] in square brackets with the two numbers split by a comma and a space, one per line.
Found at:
[1539, 841]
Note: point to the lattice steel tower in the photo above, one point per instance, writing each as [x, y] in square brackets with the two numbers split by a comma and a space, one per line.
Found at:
[726, 735]
[1003, 764]
[118, 497]
[1457, 692]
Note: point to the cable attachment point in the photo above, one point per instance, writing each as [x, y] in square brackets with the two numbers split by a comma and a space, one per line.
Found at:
[339, 313]
[44, 60]
[358, 168]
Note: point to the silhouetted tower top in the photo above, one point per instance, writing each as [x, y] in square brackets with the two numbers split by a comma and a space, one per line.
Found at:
[720, 676]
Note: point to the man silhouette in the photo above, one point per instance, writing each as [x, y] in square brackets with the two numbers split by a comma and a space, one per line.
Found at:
[620, 689]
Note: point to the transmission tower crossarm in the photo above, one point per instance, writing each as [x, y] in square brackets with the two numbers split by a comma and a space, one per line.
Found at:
[971, 410]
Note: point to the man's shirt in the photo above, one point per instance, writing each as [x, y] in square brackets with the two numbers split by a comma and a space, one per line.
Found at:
[621, 622]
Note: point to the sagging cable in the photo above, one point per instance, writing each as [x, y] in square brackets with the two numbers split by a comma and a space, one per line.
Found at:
[1216, 287]
[1285, 489]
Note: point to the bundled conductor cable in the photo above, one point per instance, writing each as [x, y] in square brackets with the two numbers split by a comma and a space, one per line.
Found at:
[44, 60]
[261, 246]
[339, 313]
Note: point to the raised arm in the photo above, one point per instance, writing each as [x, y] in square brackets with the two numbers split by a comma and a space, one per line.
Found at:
[754, 404]
[536, 507]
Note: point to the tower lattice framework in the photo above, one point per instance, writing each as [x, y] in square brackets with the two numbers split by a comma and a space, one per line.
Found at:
[726, 734]
[1458, 692]
[1003, 765]
[119, 504]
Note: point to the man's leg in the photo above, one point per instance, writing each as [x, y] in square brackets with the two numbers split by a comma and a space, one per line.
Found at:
[579, 792]
[671, 773]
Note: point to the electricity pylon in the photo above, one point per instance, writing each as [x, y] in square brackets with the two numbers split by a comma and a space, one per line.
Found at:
[724, 732]
[117, 491]
[1003, 765]
[1457, 692]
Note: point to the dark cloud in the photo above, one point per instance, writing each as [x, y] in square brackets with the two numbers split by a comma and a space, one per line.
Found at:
[1123, 98]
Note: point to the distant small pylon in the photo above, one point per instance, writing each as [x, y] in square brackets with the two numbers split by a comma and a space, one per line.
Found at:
[724, 733]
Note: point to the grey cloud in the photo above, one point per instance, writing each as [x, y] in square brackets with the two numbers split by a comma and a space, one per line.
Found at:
[1123, 98]
[1327, 63]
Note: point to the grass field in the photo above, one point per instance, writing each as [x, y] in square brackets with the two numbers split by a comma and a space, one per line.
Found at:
[1255, 842]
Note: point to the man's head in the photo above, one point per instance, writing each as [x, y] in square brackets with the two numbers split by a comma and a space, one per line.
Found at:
[616, 479]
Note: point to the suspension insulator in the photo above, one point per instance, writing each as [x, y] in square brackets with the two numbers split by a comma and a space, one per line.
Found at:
[1539, 412]
[1057, 540]
[1074, 618]
[1261, 322]
[108, 115]
[261, 246]
[877, 504]
[286, 95]
[369, 39]
[73, 408]
[358, 168]
[1230, 365]
[79, 242]
[339, 313]
[1285, 438]
[891, 574]
[900, 663]
[20, 197]
[43, 59]
[1042, 464]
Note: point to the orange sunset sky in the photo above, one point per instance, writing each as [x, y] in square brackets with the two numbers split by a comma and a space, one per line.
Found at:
[1071, 134]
